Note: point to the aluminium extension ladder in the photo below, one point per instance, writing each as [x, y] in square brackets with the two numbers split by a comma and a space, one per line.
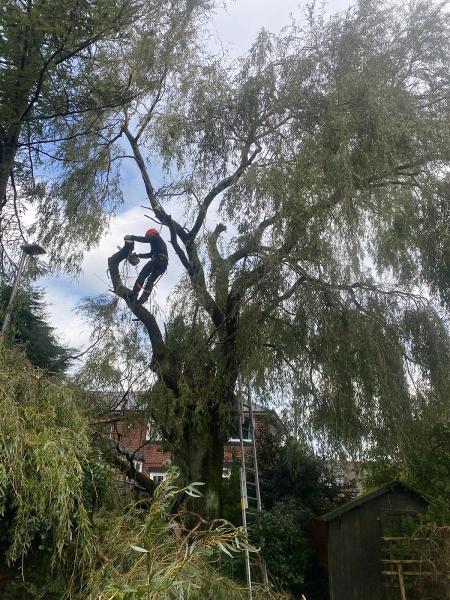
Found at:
[249, 485]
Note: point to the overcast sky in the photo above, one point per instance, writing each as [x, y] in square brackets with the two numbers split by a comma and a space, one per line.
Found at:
[236, 27]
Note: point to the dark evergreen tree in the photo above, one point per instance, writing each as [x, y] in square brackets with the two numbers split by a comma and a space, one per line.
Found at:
[30, 328]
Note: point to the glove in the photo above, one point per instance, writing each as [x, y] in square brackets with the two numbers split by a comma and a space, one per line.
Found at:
[128, 239]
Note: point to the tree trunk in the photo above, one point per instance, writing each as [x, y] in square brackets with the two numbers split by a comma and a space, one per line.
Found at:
[198, 426]
[199, 456]
[199, 450]
[8, 148]
[9, 140]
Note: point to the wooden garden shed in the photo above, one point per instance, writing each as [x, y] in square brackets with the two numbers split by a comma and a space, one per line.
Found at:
[352, 543]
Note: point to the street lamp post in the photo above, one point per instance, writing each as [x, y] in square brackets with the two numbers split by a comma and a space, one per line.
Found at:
[27, 250]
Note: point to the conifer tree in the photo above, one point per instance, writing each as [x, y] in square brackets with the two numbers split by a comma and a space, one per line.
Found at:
[30, 329]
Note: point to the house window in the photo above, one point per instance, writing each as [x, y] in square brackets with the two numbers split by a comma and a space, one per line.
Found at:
[246, 431]
[156, 476]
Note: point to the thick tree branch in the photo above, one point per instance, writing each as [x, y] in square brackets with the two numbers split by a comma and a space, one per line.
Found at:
[213, 252]
[159, 211]
[251, 244]
[197, 277]
[220, 267]
[246, 161]
[176, 246]
[127, 467]
[191, 262]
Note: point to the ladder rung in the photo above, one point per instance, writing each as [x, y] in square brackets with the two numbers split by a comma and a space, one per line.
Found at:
[251, 483]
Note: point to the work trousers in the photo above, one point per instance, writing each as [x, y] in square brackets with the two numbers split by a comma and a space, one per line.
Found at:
[149, 274]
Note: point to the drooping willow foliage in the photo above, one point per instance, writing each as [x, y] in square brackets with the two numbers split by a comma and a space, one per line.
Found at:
[50, 476]
[61, 533]
[150, 555]
[324, 153]
[334, 227]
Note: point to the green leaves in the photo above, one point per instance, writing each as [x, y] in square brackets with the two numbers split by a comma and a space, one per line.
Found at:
[55, 89]
[45, 454]
[168, 560]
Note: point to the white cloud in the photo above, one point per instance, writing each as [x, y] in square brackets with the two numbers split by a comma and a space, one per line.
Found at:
[71, 330]
[238, 23]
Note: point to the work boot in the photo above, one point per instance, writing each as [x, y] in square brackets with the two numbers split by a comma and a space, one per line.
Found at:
[145, 296]
[136, 289]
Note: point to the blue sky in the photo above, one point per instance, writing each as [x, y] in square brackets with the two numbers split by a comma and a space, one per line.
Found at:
[235, 28]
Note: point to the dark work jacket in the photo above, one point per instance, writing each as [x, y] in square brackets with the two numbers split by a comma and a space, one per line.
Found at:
[157, 244]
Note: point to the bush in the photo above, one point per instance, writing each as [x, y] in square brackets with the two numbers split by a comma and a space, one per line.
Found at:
[295, 486]
[45, 468]
[281, 532]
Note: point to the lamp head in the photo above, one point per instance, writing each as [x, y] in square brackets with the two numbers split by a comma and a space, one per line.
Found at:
[32, 249]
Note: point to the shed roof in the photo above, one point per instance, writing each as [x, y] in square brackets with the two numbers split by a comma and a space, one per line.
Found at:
[392, 486]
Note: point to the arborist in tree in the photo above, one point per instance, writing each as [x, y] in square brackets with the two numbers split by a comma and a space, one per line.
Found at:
[156, 266]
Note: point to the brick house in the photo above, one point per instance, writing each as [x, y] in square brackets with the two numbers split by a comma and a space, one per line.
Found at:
[154, 461]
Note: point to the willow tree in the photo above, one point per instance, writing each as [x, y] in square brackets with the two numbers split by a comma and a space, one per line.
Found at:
[306, 200]
[49, 79]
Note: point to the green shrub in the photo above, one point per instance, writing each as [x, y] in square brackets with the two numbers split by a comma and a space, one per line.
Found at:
[51, 481]
[284, 544]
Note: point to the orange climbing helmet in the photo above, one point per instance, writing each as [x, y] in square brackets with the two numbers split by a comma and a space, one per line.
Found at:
[150, 232]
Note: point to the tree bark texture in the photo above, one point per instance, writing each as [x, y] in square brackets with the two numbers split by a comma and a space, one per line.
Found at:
[8, 148]
[199, 454]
